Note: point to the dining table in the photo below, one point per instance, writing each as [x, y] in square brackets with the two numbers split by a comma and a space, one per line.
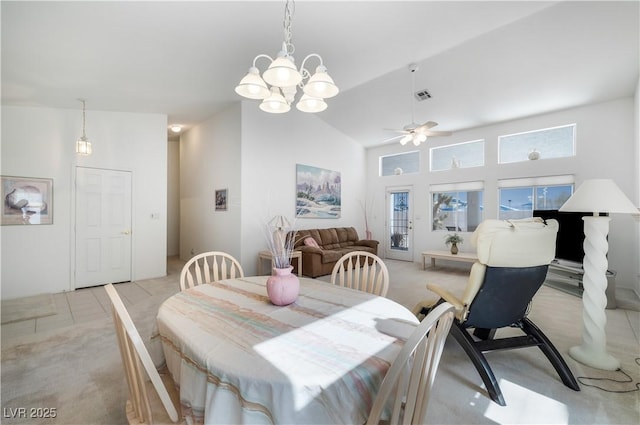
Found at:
[239, 359]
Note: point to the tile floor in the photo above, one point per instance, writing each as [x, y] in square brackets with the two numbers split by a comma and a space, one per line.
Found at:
[88, 304]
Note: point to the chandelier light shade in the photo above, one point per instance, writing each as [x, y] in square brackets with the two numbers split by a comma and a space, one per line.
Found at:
[321, 84]
[597, 195]
[311, 104]
[252, 86]
[83, 145]
[279, 84]
[275, 103]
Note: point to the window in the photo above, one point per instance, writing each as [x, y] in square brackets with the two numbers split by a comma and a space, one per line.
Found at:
[519, 197]
[556, 142]
[403, 163]
[457, 207]
[461, 155]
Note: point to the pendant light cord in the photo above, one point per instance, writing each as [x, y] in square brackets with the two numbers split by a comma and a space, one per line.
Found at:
[84, 133]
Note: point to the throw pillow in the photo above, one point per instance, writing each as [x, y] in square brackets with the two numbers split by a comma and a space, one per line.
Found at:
[309, 241]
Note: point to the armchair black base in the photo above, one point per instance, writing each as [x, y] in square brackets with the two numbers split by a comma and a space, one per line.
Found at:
[475, 349]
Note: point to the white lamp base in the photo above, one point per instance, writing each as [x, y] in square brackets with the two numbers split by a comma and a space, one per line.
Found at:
[595, 358]
[593, 351]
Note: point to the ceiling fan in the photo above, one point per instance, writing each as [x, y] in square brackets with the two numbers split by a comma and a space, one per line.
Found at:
[416, 133]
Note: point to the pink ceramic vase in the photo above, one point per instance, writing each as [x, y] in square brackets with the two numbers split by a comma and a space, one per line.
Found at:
[283, 286]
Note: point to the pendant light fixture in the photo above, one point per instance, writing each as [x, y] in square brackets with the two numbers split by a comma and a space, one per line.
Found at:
[83, 146]
[284, 79]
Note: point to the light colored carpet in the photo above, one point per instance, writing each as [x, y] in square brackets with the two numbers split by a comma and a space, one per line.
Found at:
[77, 370]
[28, 308]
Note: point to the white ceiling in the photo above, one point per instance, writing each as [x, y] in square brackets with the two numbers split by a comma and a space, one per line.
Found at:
[483, 62]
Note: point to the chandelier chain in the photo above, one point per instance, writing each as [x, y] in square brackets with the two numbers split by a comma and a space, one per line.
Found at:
[289, 10]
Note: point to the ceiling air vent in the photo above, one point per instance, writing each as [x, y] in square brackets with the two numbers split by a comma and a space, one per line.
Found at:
[422, 95]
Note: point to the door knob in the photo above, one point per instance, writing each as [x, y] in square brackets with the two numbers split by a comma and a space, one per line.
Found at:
[126, 232]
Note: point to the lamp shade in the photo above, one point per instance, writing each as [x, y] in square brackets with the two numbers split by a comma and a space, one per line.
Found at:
[83, 146]
[599, 195]
[275, 103]
[252, 86]
[321, 84]
[311, 104]
[282, 73]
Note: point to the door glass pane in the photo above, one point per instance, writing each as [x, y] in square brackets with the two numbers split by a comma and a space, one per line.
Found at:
[399, 221]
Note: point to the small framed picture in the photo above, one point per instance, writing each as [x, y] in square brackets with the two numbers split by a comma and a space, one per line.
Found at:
[26, 200]
[221, 199]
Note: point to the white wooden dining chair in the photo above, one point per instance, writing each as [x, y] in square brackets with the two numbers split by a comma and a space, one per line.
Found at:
[363, 271]
[407, 385]
[149, 401]
[209, 267]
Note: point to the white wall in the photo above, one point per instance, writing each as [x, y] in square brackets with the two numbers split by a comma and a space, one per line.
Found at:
[272, 145]
[605, 146]
[173, 198]
[254, 155]
[40, 142]
[637, 178]
[210, 160]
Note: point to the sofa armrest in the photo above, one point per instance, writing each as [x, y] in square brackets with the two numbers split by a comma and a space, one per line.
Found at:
[309, 249]
[368, 242]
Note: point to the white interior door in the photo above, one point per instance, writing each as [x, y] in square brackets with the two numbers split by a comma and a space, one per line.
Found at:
[399, 237]
[103, 227]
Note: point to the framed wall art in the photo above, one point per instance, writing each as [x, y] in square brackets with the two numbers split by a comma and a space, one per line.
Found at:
[26, 200]
[317, 192]
[221, 199]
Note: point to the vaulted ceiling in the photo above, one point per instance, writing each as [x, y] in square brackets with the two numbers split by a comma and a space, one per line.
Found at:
[481, 61]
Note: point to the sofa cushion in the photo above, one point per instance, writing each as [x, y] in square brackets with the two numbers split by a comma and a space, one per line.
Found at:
[329, 238]
[346, 235]
[331, 256]
[309, 241]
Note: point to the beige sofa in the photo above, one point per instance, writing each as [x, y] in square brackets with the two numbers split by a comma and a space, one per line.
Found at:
[333, 243]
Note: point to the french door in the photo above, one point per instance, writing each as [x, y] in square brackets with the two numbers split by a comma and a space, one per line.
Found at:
[399, 223]
[103, 227]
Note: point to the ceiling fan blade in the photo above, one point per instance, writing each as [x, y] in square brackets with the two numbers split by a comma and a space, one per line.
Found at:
[391, 139]
[424, 128]
[395, 130]
[429, 124]
[437, 133]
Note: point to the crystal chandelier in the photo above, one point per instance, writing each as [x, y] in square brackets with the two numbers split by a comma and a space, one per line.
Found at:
[278, 85]
[83, 146]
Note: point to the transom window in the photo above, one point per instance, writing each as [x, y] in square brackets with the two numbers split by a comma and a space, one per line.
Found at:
[460, 155]
[402, 163]
[555, 142]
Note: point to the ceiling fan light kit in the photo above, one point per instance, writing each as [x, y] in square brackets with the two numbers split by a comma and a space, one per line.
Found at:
[417, 133]
[285, 79]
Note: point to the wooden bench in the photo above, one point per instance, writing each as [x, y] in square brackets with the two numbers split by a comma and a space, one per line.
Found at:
[466, 257]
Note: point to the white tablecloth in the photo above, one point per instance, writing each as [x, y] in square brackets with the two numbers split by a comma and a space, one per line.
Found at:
[237, 358]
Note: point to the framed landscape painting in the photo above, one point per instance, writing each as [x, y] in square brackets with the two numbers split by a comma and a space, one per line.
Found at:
[221, 200]
[317, 192]
[26, 200]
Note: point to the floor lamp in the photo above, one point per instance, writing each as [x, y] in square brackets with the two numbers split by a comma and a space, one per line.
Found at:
[598, 195]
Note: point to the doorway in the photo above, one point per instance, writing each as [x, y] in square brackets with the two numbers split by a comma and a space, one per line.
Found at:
[399, 228]
[103, 227]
